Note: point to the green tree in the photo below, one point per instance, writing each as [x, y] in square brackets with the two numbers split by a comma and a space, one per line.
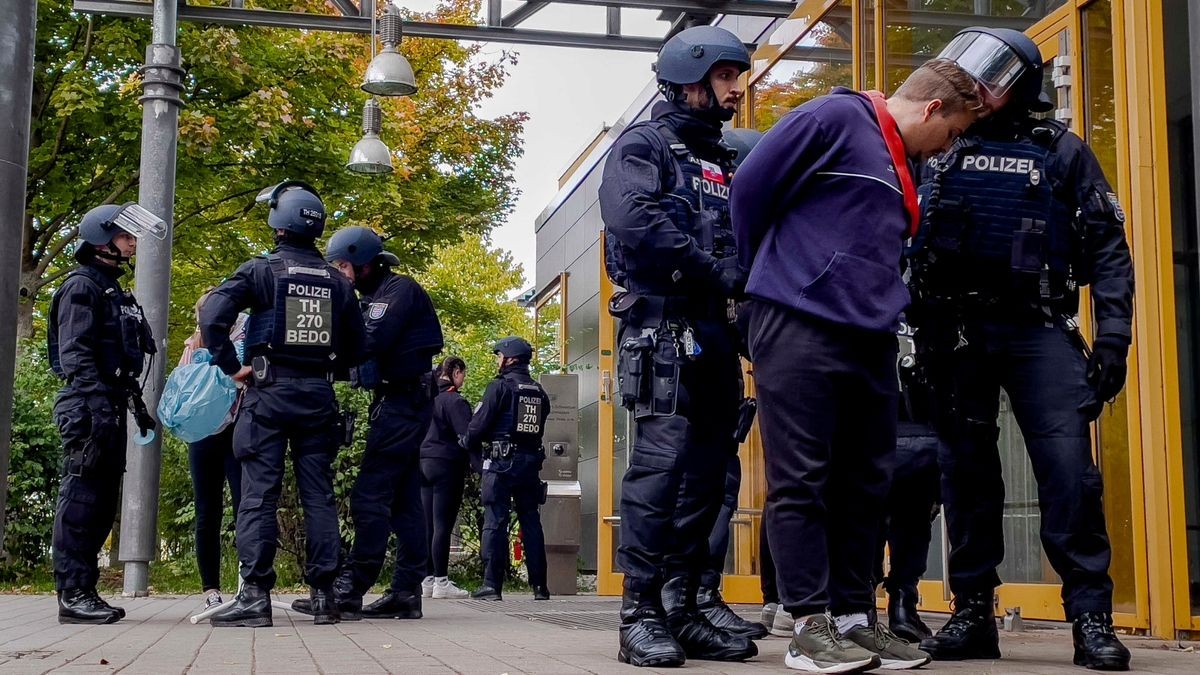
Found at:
[262, 105]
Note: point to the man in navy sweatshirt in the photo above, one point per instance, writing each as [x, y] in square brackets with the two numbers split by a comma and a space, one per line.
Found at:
[820, 212]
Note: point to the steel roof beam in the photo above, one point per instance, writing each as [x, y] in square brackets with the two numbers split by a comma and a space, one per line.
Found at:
[361, 24]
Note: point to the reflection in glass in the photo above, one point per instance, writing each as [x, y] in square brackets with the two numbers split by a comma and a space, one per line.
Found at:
[916, 31]
[548, 341]
[819, 62]
[1100, 131]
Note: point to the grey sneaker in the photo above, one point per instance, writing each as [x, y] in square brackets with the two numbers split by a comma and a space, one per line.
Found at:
[894, 653]
[817, 648]
[783, 625]
[767, 617]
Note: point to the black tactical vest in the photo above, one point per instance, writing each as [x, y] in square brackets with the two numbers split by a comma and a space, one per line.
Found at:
[521, 423]
[696, 199]
[124, 338]
[300, 329]
[993, 227]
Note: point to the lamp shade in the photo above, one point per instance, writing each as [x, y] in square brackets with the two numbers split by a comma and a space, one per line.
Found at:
[390, 74]
[370, 155]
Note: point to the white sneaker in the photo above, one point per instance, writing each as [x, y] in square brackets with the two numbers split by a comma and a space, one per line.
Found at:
[427, 587]
[213, 600]
[444, 589]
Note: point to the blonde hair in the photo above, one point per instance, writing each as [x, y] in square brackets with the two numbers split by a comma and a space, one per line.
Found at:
[944, 80]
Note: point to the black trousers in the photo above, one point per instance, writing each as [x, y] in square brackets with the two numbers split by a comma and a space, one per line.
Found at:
[213, 465]
[910, 508]
[827, 398]
[87, 497]
[386, 498]
[442, 482]
[507, 485]
[673, 488]
[767, 577]
[300, 414]
[1044, 374]
[718, 541]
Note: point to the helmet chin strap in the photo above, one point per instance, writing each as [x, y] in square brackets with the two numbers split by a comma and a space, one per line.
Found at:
[111, 253]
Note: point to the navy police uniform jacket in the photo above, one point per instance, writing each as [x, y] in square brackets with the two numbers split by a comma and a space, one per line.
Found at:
[819, 218]
[497, 419]
[403, 333]
[665, 204]
[1087, 222]
[252, 287]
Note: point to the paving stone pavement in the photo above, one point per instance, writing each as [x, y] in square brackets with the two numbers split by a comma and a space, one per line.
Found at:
[519, 635]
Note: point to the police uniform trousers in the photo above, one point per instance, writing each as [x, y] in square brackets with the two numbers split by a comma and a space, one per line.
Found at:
[300, 413]
[718, 541]
[386, 498]
[89, 495]
[1044, 374]
[910, 508]
[513, 483]
[827, 401]
[674, 486]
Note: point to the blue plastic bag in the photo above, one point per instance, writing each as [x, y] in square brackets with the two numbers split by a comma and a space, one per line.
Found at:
[196, 399]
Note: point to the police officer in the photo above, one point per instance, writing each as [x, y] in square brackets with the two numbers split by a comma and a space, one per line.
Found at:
[304, 327]
[98, 339]
[508, 425]
[668, 243]
[708, 597]
[403, 335]
[1019, 215]
[912, 499]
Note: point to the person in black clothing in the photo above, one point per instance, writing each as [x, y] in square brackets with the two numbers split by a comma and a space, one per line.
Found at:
[444, 466]
[98, 339]
[508, 427]
[668, 243]
[212, 465]
[403, 335]
[304, 327]
[1019, 216]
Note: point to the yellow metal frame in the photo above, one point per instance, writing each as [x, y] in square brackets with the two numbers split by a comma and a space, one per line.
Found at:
[1153, 414]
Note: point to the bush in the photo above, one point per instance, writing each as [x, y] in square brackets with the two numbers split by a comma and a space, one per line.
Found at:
[35, 464]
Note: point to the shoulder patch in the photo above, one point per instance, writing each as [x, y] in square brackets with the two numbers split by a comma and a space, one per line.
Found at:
[376, 310]
[1116, 204]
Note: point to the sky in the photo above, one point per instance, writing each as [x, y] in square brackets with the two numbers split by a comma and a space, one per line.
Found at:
[570, 94]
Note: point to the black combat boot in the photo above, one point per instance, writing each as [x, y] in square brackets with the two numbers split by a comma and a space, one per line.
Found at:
[541, 592]
[713, 607]
[251, 608]
[969, 634]
[699, 638]
[82, 605]
[349, 603]
[119, 610]
[903, 619]
[395, 605]
[324, 607]
[645, 640]
[487, 593]
[1096, 645]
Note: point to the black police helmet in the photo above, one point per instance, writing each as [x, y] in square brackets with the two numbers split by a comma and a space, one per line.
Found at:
[743, 141]
[98, 226]
[980, 51]
[688, 56]
[514, 347]
[295, 207]
[357, 246]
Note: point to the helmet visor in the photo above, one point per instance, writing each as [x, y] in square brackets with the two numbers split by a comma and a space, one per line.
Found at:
[139, 222]
[993, 64]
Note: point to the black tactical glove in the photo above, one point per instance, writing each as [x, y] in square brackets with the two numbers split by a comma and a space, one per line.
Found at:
[730, 276]
[1106, 368]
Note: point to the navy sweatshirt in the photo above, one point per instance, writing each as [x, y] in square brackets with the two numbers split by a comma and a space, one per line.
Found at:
[819, 218]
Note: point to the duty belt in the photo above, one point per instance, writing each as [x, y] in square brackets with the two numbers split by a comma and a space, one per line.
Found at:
[265, 371]
[506, 449]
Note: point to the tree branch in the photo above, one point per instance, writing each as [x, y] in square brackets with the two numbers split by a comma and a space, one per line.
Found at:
[44, 103]
[217, 203]
[43, 282]
[62, 127]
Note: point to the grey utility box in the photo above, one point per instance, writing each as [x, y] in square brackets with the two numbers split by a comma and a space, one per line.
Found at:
[564, 497]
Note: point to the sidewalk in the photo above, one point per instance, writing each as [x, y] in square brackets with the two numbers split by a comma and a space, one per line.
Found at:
[564, 635]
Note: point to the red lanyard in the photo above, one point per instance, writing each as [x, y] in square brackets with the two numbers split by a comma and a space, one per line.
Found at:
[895, 146]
